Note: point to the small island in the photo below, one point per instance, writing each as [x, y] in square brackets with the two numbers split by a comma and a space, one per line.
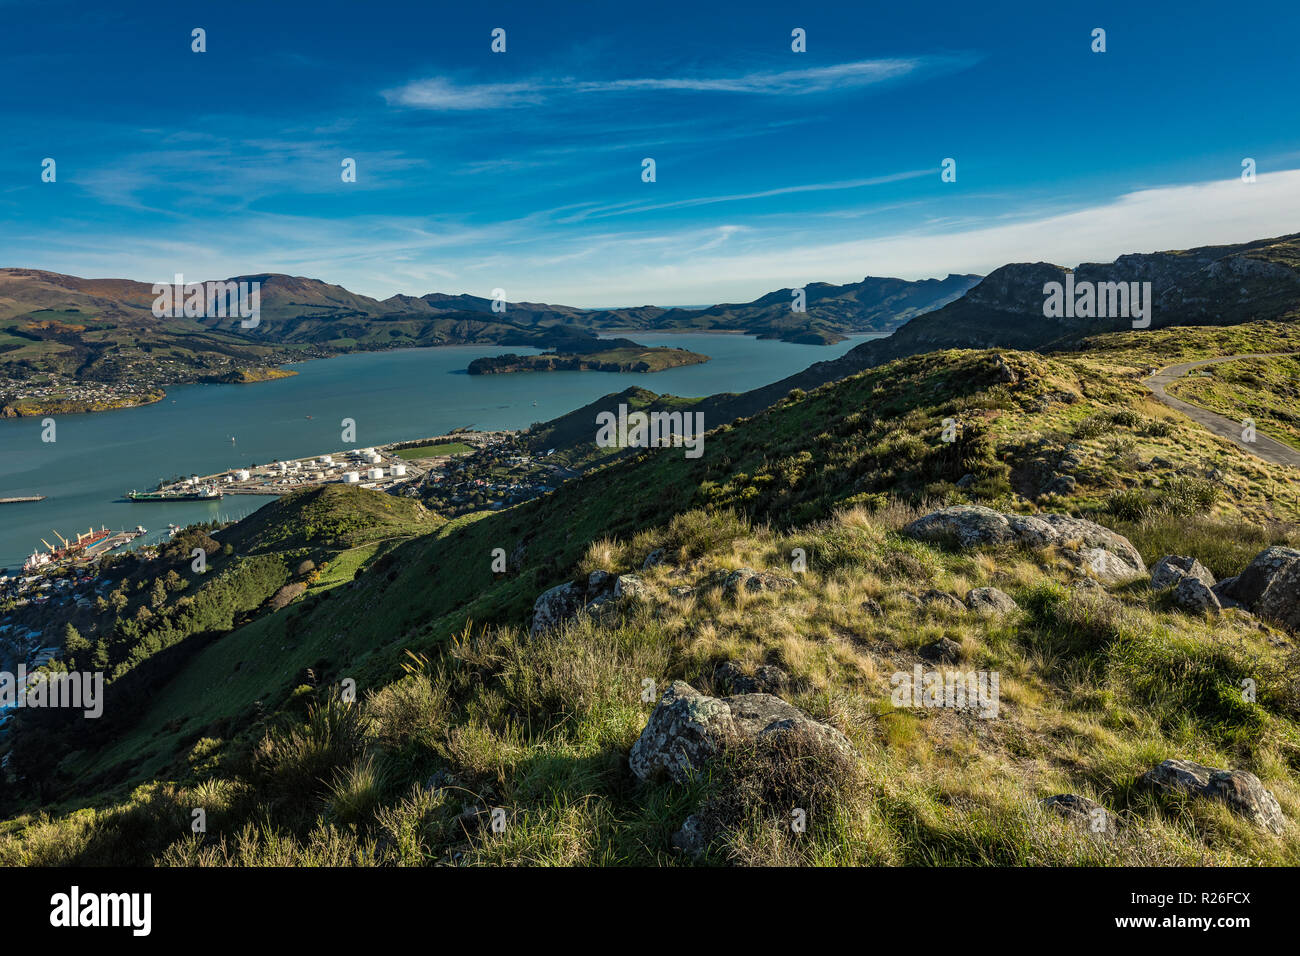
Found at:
[596, 355]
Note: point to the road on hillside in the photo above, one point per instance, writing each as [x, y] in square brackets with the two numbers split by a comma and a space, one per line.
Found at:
[1263, 447]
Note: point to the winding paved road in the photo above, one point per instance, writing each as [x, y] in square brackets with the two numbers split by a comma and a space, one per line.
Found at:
[1263, 447]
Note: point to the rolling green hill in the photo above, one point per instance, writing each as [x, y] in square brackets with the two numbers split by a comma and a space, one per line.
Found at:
[460, 709]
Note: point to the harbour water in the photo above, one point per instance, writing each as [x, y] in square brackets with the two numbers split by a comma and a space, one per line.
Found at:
[394, 395]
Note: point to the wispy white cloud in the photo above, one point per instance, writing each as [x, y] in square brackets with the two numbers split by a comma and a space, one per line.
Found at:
[627, 208]
[439, 93]
[444, 93]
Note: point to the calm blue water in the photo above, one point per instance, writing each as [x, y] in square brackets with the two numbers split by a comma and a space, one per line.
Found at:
[411, 393]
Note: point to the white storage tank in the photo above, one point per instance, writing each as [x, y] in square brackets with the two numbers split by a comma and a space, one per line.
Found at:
[242, 475]
[326, 459]
[351, 477]
[374, 474]
[397, 471]
[374, 459]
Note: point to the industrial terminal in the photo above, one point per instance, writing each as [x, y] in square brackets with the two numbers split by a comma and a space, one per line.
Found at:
[385, 468]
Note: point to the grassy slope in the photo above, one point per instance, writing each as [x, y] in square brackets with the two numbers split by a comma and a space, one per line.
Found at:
[1274, 385]
[1095, 695]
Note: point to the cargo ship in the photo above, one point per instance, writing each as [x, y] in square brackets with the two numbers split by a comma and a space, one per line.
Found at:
[70, 549]
[207, 493]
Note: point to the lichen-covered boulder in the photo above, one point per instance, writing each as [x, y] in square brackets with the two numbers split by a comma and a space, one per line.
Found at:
[990, 601]
[688, 729]
[1270, 586]
[1193, 595]
[1172, 568]
[1086, 544]
[970, 526]
[1240, 790]
[943, 651]
[685, 731]
[556, 605]
[630, 586]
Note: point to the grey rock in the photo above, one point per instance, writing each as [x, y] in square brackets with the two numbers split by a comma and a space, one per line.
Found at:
[691, 838]
[1110, 556]
[1060, 485]
[1240, 790]
[1107, 566]
[556, 605]
[630, 586]
[761, 717]
[990, 601]
[943, 651]
[1193, 595]
[1088, 814]
[872, 607]
[688, 729]
[936, 598]
[682, 591]
[966, 480]
[753, 582]
[597, 581]
[1270, 586]
[685, 731]
[766, 679]
[1172, 568]
[1223, 591]
[653, 559]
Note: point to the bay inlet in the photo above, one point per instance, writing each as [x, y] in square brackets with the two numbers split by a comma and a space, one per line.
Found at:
[392, 395]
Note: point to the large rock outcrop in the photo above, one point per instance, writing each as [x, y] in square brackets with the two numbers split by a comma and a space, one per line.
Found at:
[688, 729]
[1240, 790]
[1269, 587]
[1109, 556]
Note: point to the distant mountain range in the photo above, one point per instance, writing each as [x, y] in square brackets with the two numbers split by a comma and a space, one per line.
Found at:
[104, 329]
[99, 328]
[1209, 285]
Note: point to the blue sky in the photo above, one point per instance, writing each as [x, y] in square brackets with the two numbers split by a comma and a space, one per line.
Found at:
[522, 170]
